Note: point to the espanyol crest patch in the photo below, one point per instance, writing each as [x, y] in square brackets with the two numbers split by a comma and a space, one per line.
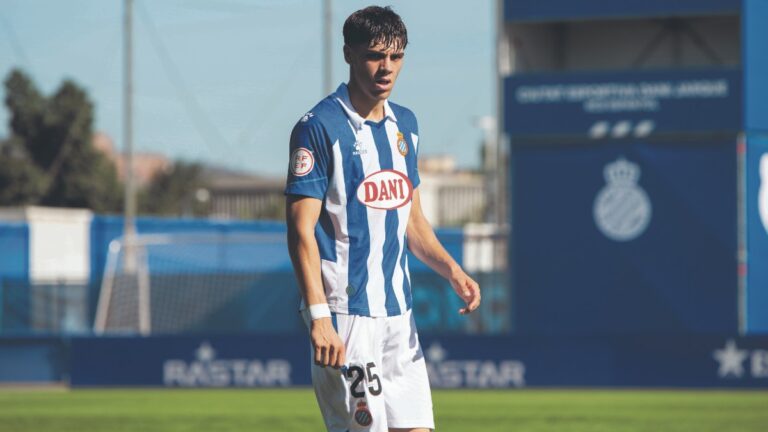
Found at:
[363, 415]
[302, 162]
[385, 190]
[402, 144]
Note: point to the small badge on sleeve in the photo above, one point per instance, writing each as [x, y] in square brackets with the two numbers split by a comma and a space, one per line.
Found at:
[302, 162]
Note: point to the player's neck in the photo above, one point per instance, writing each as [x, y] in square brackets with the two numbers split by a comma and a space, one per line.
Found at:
[366, 107]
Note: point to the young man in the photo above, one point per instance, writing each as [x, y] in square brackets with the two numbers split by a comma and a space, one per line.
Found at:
[352, 209]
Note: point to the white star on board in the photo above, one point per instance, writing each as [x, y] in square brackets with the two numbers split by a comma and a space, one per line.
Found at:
[435, 353]
[205, 352]
[731, 360]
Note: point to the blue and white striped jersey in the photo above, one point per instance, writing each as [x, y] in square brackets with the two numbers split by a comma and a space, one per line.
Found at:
[365, 173]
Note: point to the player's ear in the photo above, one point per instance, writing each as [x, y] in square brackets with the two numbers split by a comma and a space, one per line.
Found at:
[347, 53]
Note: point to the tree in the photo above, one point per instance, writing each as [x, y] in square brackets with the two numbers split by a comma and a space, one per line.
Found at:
[173, 192]
[21, 181]
[53, 137]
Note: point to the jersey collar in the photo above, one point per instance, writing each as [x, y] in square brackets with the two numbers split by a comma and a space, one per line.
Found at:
[342, 96]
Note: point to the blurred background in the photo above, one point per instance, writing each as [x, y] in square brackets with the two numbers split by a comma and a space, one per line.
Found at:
[601, 168]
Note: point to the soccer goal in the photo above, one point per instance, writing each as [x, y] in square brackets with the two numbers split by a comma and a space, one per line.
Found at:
[176, 283]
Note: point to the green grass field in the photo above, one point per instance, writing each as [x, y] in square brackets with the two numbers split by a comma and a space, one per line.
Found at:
[143, 410]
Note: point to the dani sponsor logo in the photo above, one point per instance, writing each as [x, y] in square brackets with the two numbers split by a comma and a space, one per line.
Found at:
[385, 190]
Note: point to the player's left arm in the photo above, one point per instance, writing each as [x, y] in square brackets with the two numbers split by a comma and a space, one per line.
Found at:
[423, 242]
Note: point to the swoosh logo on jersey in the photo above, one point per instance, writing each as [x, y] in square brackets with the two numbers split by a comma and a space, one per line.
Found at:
[385, 190]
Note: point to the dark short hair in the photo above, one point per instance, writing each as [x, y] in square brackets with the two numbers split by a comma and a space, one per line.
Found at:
[374, 25]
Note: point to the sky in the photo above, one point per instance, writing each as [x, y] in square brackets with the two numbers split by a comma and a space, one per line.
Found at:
[224, 81]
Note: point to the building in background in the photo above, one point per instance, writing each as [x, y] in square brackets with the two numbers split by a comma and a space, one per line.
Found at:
[146, 165]
[449, 196]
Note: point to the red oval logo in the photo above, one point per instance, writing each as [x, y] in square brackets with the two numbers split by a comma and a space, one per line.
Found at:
[385, 190]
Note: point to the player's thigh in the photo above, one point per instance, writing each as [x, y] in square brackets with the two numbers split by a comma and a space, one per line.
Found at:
[350, 398]
[406, 384]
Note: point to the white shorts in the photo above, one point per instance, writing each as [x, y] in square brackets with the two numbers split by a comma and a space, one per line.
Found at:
[384, 383]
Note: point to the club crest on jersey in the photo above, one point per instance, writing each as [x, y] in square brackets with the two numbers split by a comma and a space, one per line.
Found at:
[385, 190]
[363, 415]
[402, 144]
[302, 162]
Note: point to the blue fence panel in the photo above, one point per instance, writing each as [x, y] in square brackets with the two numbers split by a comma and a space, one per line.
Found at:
[104, 229]
[33, 359]
[14, 250]
[269, 302]
[624, 237]
[14, 273]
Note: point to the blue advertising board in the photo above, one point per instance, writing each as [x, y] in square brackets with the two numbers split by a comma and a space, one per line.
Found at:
[190, 361]
[624, 238]
[452, 361]
[757, 233]
[616, 105]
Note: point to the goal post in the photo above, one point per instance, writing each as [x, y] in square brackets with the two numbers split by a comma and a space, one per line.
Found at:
[177, 283]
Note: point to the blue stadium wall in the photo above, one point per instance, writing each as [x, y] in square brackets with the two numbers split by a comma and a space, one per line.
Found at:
[679, 275]
[754, 19]
[640, 221]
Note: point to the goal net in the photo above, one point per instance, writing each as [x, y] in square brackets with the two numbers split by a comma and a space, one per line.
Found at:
[181, 283]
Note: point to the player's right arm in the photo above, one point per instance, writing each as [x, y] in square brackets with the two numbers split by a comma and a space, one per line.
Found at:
[302, 214]
[305, 190]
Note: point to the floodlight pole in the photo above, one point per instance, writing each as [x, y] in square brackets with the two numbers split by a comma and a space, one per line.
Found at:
[130, 262]
[129, 216]
[327, 42]
[501, 192]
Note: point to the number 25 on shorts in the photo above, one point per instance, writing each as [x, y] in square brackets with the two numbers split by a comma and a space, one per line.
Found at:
[357, 375]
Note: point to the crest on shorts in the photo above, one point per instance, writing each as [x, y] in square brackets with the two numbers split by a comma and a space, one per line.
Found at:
[402, 144]
[363, 414]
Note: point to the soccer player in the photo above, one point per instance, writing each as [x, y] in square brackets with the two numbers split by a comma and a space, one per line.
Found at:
[352, 209]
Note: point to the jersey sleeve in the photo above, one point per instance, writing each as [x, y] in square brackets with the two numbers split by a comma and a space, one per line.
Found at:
[309, 160]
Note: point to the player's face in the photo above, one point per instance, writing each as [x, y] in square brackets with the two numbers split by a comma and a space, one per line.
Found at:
[374, 69]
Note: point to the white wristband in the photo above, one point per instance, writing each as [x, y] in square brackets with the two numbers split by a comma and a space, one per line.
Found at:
[317, 311]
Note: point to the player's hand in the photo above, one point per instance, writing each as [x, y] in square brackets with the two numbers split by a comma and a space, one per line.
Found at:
[467, 289]
[329, 349]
